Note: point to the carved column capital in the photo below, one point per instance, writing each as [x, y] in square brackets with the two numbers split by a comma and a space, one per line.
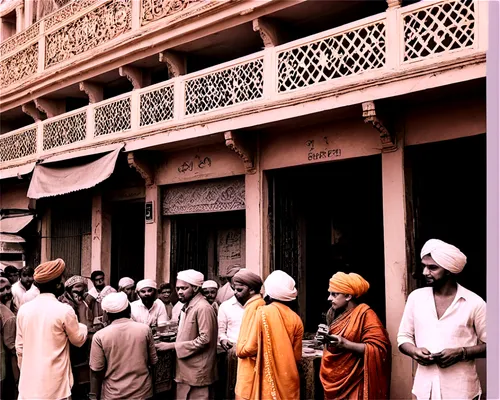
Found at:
[394, 3]
[234, 143]
[137, 76]
[142, 167]
[176, 63]
[268, 32]
[93, 91]
[51, 107]
[387, 139]
[32, 111]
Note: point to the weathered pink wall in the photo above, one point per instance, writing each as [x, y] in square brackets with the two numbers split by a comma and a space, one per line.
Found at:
[14, 195]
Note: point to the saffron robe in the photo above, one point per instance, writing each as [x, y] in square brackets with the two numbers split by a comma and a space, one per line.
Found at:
[347, 375]
[279, 333]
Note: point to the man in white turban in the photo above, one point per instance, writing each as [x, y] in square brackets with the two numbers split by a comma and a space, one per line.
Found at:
[127, 285]
[444, 328]
[114, 376]
[196, 342]
[148, 309]
[209, 290]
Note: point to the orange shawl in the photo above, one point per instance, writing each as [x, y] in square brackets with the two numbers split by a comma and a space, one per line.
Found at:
[279, 339]
[346, 375]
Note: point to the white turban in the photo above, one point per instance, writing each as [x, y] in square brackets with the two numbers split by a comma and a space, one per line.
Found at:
[124, 282]
[280, 286]
[445, 255]
[191, 276]
[145, 283]
[210, 284]
[115, 302]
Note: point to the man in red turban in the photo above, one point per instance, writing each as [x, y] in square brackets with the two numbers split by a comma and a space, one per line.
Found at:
[357, 355]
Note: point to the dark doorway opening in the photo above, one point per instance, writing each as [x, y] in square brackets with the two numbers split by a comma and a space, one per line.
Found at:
[324, 219]
[127, 241]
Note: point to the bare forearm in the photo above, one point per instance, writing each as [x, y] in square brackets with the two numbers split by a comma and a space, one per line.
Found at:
[95, 384]
[473, 352]
[407, 349]
[357, 348]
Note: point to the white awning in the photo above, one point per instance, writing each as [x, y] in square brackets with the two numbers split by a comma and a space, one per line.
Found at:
[16, 171]
[13, 224]
[49, 180]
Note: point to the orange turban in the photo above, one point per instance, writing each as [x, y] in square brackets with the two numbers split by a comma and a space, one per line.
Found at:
[352, 284]
[49, 271]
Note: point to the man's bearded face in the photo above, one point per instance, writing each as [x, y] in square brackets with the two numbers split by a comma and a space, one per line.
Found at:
[99, 282]
[5, 290]
[434, 275]
[26, 280]
[148, 296]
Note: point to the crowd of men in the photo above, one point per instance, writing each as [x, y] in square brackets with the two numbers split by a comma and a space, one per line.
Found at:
[61, 340]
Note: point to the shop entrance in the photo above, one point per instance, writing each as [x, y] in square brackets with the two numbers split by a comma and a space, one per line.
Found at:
[324, 219]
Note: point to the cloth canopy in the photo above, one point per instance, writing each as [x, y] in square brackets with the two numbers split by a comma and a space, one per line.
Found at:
[13, 224]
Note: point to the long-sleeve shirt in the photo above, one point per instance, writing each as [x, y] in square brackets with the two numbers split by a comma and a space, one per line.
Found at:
[229, 318]
[18, 292]
[462, 325]
[45, 327]
[8, 336]
[30, 294]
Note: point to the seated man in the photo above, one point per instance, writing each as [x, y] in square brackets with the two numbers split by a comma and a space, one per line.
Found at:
[148, 309]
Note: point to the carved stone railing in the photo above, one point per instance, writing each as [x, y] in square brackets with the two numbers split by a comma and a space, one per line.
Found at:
[362, 51]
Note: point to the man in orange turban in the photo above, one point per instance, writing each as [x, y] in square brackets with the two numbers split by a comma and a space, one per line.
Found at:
[357, 355]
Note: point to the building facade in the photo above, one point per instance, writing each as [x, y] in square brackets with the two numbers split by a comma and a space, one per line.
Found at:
[143, 137]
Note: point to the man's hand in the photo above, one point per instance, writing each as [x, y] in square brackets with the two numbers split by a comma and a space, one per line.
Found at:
[162, 346]
[226, 344]
[422, 356]
[448, 357]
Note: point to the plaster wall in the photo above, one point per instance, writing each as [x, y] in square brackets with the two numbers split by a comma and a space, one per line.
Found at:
[14, 195]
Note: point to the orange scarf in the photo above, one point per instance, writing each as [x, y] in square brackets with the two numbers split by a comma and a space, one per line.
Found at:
[346, 375]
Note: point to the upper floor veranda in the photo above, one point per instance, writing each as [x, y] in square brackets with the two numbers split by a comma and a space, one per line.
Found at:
[399, 50]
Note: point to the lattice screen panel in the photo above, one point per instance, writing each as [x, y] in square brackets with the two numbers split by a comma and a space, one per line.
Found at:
[235, 85]
[113, 117]
[65, 131]
[439, 29]
[157, 106]
[345, 54]
[19, 145]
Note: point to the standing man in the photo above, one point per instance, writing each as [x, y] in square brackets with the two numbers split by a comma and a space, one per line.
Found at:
[9, 372]
[444, 328]
[113, 376]
[148, 309]
[20, 288]
[95, 296]
[6, 295]
[165, 295]
[45, 327]
[30, 294]
[276, 343]
[196, 342]
[127, 285]
[227, 291]
[11, 273]
[209, 290]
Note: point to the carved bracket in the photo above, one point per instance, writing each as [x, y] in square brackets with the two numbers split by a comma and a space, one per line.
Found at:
[234, 143]
[137, 76]
[143, 168]
[176, 63]
[51, 107]
[32, 111]
[370, 116]
[394, 3]
[268, 32]
[95, 92]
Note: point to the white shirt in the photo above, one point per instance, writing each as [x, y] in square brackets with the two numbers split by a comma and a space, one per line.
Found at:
[102, 294]
[462, 325]
[30, 294]
[176, 311]
[45, 327]
[18, 292]
[156, 315]
[229, 318]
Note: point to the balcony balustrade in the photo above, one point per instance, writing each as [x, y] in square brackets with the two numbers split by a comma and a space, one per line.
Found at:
[394, 41]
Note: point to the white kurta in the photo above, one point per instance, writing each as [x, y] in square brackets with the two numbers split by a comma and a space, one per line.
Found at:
[18, 292]
[462, 325]
[45, 327]
[156, 315]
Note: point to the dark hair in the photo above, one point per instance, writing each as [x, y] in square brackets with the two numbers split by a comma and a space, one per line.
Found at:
[122, 314]
[49, 287]
[9, 269]
[164, 286]
[293, 305]
[30, 271]
[95, 274]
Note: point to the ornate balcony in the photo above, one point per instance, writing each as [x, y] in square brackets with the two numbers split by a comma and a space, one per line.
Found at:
[393, 44]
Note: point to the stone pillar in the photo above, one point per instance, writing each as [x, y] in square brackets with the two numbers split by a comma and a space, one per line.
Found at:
[101, 238]
[153, 237]
[46, 239]
[394, 209]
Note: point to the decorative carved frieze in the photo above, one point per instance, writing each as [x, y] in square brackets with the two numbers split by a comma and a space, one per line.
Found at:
[99, 26]
[142, 167]
[234, 143]
[153, 10]
[226, 194]
[21, 38]
[20, 66]
[176, 63]
[387, 139]
[67, 11]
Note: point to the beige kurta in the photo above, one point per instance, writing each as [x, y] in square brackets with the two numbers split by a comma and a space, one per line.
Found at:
[45, 327]
[196, 344]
